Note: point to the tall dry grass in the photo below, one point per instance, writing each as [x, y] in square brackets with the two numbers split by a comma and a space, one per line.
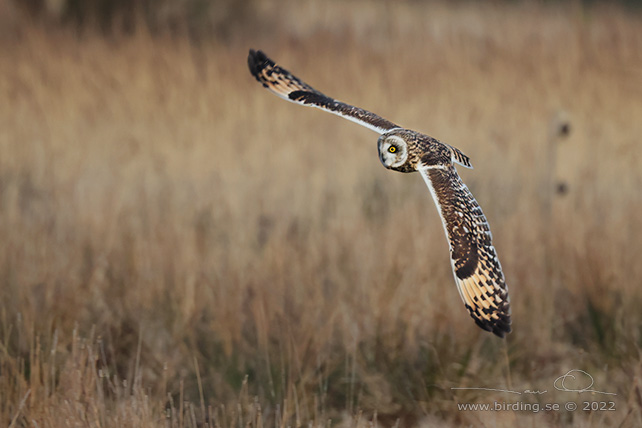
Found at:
[181, 248]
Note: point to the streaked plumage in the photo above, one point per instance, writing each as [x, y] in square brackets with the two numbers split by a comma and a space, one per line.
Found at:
[476, 268]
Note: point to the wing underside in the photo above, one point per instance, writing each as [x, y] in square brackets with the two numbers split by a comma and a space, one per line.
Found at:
[476, 268]
[287, 86]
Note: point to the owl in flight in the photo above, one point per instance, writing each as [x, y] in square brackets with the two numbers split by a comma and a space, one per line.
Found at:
[475, 265]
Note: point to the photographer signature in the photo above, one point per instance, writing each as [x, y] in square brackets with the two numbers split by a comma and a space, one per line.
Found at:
[565, 383]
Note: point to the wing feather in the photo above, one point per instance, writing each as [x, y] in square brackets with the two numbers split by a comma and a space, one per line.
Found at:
[289, 87]
[476, 268]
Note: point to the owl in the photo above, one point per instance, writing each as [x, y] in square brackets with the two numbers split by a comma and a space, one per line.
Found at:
[476, 268]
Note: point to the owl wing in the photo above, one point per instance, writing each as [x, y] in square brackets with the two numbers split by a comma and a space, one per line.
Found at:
[291, 88]
[476, 268]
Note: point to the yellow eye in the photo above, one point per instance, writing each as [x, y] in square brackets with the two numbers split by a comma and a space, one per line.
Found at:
[392, 149]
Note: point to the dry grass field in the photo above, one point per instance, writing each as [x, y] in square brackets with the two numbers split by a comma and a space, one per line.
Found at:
[180, 248]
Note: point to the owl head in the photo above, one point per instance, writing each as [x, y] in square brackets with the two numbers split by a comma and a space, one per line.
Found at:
[393, 150]
[403, 150]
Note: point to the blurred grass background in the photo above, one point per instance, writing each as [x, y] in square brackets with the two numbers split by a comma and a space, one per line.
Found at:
[181, 248]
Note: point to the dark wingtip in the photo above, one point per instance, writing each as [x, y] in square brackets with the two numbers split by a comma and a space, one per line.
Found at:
[499, 328]
[500, 333]
[502, 328]
[257, 61]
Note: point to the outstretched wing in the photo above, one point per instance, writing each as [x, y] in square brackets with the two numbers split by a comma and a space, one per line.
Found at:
[476, 268]
[289, 87]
